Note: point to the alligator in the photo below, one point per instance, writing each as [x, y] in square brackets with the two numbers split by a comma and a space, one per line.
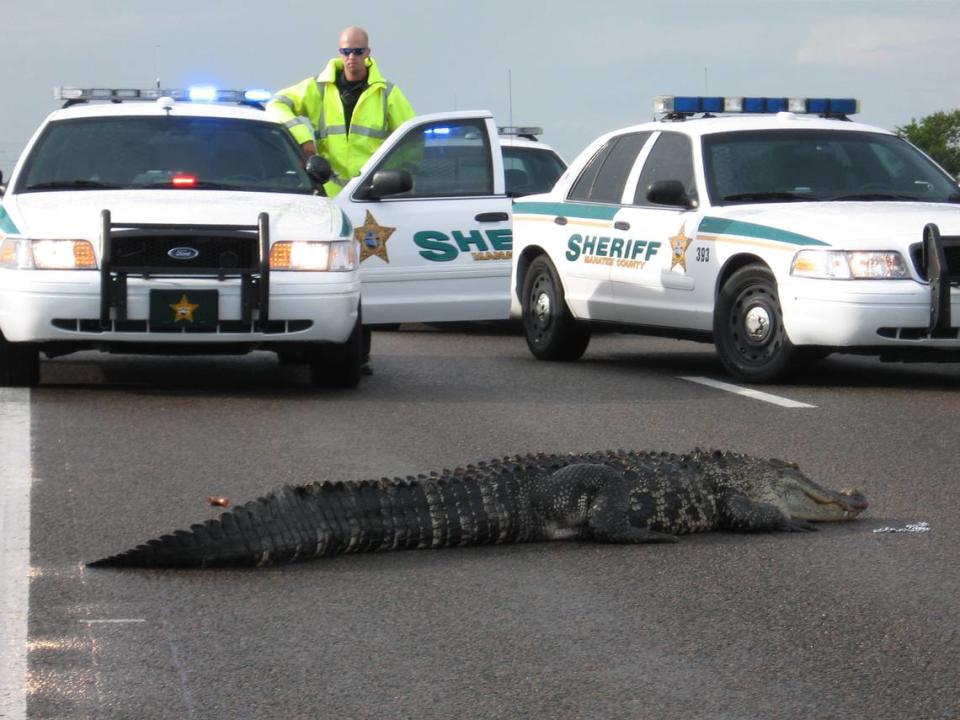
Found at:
[611, 497]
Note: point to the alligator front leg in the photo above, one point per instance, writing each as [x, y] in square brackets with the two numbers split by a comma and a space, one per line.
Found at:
[741, 514]
[598, 497]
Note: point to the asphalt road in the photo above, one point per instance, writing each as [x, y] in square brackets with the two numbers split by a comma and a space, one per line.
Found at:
[844, 623]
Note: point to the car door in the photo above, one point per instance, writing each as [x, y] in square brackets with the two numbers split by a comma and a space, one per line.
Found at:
[589, 229]
[656, 284]
[440, 251]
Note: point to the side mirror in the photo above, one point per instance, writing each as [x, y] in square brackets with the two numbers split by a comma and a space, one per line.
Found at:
[385, 183]
[319, 170]
[670, 192]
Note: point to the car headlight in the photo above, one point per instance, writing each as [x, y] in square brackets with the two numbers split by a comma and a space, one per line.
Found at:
[29, 254]
[850, 265]
[335, 256]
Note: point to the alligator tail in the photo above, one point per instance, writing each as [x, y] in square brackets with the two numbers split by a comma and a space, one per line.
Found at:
[324, 519]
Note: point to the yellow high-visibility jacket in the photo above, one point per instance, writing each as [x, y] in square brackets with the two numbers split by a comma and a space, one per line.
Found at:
[312, 110]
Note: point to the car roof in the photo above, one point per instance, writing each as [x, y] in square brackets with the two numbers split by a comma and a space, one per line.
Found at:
[700, 126]
[156, 108]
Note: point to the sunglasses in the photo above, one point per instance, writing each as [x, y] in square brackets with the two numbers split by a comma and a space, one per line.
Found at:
[347, 52]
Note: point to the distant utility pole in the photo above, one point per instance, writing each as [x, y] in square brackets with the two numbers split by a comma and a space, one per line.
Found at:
[510, 96]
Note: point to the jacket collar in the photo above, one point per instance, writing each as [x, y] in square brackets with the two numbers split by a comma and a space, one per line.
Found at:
[329, 73]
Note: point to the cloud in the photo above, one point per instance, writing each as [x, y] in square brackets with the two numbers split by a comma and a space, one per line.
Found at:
[871, 42]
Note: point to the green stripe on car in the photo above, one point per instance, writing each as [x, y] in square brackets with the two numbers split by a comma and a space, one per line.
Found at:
[721, 226]
[6, 223]
[570, 210]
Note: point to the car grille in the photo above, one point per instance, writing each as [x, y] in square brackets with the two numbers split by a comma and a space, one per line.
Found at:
[223, 327]
[951, 251]
[162, 252]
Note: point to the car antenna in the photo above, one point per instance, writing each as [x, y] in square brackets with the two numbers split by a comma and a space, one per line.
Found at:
[510, 95]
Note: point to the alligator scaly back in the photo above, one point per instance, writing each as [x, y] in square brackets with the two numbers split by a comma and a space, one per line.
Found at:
[622, 497]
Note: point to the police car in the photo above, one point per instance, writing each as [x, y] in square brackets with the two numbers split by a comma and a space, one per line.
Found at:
[173, 221]
[431, 210]
[775, 228]
[530, 167]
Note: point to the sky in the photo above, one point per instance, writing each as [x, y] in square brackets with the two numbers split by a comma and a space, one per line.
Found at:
[576, 68]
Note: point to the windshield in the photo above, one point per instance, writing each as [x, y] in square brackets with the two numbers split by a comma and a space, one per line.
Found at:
[786, 165]
[529, 170]
[164, 152]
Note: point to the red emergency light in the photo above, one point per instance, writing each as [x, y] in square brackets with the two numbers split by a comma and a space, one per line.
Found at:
[184, 180]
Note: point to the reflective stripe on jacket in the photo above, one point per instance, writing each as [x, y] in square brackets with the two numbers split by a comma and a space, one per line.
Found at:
[312, 110]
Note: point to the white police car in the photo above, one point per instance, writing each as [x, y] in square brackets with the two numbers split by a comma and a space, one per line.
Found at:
[161, 221]
[780, 236]
[530, 166]
[431, 210]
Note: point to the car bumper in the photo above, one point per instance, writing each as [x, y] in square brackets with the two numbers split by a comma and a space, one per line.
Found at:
[880, 313]
[64, 307]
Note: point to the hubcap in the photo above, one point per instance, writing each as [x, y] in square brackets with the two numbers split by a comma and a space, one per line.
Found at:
[757, 324]
[541, 308]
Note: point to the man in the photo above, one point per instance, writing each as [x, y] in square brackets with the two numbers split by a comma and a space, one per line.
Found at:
[344, 114]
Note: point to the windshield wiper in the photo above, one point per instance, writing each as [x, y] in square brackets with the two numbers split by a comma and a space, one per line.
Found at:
[764, 196]
[74, 185]
[873, 196]
[198, 185]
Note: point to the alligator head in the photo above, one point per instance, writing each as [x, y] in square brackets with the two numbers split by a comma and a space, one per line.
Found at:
[784, 485]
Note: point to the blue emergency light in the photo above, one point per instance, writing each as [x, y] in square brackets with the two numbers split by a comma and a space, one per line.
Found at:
[197, 93]
[694, 104]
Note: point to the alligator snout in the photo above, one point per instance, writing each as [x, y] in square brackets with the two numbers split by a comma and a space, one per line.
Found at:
[855, 501]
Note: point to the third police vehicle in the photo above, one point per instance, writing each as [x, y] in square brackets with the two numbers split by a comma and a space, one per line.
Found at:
[775, 228]
[431, 210]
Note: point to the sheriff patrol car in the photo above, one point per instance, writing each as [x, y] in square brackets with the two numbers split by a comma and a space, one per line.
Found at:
[775, 228]
[174, 222]
[431, 210]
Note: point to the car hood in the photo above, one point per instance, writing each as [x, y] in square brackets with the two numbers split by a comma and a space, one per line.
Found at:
[858, 225]
[78, 214]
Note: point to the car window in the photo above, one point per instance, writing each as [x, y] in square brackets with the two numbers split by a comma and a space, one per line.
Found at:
[671, 158]
[529, 170]
[605, 175]
[782, 165]
[165, 153]
[449, 159]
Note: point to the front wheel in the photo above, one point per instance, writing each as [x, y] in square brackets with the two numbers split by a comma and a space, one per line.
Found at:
[337, 366]
[748, 327]
[552, 332]
[19, 364]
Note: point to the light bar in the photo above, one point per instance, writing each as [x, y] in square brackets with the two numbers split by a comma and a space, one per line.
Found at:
[199, 93]
[520, 130]
[691, 104]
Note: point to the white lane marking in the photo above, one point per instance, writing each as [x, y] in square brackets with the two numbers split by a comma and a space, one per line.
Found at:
[15, 478]
[747, 392]
[114, 621]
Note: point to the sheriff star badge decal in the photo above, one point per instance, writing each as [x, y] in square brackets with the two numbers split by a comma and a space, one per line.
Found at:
[373, 238]
[183, 310]
[679, 244]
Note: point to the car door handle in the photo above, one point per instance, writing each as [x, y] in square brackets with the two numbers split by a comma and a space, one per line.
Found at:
[621, 225]
[560, 220]
[492, 217]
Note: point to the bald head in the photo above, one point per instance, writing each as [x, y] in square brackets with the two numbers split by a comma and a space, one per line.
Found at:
[352, 39]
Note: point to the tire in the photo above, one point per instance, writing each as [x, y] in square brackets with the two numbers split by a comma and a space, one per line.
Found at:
[748, 327]
[19, 364]
[337, 366]
[551, 331]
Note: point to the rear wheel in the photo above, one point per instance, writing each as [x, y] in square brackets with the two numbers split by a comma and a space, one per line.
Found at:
[748, 327]
[19, 364]
[337, 366]
[551, 331]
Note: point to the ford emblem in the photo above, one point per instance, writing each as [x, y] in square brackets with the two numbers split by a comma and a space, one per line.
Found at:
[183, 253]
